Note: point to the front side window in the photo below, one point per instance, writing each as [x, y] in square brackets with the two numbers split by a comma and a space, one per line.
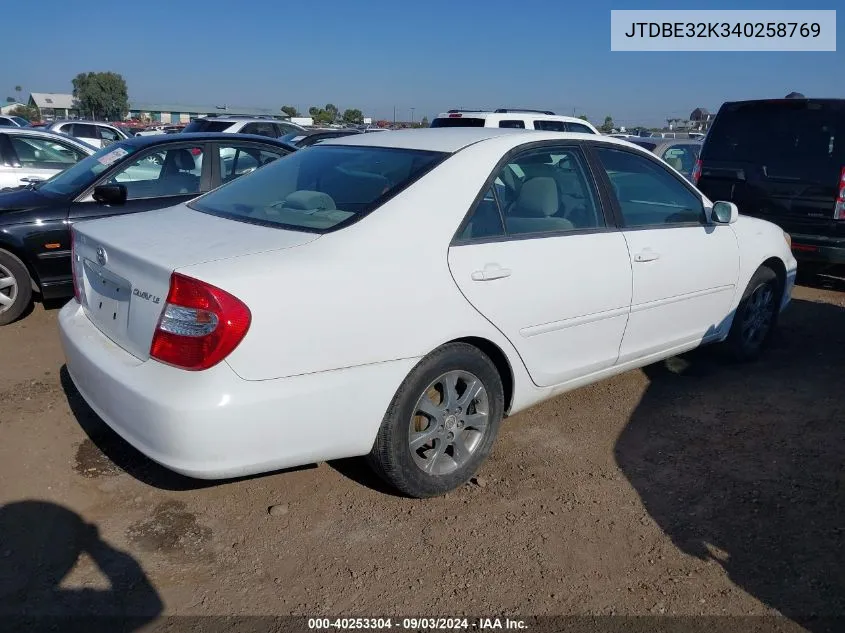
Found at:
[207, 125]
[237, 160]
[648, 194]
[108, 135]
[541, 191]
[513, 123]
[319, 188]
[38, 153]
[174, 171]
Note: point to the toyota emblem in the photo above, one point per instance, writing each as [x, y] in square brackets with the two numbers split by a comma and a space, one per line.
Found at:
[102, 256]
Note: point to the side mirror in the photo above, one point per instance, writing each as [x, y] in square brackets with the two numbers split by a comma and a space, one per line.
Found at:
[110, 194]
[724, 213]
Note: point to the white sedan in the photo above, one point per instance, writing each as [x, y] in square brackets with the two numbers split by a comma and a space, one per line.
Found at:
[395, 295]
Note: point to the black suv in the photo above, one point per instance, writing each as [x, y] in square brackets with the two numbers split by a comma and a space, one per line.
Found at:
[783, 160]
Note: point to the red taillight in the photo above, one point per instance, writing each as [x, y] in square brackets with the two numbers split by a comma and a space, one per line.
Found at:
[200, 325]
[696, 171]
[73, 266]
[839, 207]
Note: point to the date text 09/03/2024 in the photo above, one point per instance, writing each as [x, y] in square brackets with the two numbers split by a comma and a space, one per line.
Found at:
[415, 624]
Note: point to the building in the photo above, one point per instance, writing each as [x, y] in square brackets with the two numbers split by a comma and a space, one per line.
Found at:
[182, 113]
[55, 105]
[699, 120]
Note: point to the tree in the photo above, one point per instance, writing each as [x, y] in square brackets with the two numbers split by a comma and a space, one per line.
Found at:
[353, 116]
[27, 112]
[290, 111]
[313, 111]
[102, 94]
[583, 117]
[607, 126]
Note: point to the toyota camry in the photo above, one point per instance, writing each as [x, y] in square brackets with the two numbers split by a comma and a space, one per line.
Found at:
[397, 295]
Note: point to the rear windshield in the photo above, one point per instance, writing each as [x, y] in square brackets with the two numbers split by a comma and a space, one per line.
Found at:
[204, 125]
[647, 144]
[321, 188]
[463, 121]
[778, 131]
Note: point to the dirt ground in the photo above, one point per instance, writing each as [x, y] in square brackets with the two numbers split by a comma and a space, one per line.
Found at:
[691, 487]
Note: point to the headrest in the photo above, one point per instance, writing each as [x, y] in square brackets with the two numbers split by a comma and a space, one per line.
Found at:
[183, 160]
[537, 199]
[309, 201]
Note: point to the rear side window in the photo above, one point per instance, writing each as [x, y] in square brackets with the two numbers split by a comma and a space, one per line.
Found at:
[513, 123]
[262, 129]
[580, 128]
[778, 132]
[549, 126]
[83, 130]
[205, 125]
[319, 188]
[463, 121]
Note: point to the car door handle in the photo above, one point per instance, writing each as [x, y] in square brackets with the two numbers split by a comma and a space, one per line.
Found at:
[31, 179]
[646, 256]
[490, 272]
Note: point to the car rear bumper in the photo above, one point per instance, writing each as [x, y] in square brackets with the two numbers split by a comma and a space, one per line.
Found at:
[213, 424]
[817, 248]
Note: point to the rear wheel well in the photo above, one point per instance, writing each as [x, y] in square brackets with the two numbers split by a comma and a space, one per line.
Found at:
[503, 366]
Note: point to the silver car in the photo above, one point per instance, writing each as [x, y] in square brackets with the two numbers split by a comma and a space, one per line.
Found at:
[28, 155]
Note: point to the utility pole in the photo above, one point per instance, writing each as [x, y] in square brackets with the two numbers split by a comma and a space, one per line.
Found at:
[412, 116]
[394, 116]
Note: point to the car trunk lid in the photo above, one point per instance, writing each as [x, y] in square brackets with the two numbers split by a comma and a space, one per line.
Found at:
[122, 265]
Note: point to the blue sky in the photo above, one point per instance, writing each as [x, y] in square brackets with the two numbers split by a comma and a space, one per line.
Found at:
[375, 54]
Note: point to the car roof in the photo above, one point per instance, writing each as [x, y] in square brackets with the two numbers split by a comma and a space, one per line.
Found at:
[31, 131]
[511, 114]
[182, 137]
[453, 139]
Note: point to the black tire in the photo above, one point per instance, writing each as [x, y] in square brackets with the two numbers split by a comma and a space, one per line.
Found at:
[23, 287]
[743, 345]
[392, 457]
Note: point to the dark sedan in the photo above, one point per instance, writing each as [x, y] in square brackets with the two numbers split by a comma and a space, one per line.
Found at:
[312, 137]
[142, 173]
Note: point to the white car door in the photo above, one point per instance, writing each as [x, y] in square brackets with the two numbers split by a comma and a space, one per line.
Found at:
[37, 158]
[539, 260]
[685, 268]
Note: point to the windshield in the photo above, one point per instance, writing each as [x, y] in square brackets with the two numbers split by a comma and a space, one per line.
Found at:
[320, 188]
[82, 174]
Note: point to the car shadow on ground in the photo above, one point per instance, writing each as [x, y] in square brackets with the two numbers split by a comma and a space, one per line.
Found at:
[41, 544]
[743, 464]
[124, 456]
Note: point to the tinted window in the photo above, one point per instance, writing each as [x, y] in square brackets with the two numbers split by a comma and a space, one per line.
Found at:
[6, 122]
[463, 121]
[319, 188]
[167, 172]
[38, 153]
[262, 129]
[512, 124]
[108, 135]
[82, 130]
[207, 125]
[549, 126]
[579, 127]
[778, 132]
[647, 144]
[287, 128]
[540, 191]
[77, 178]
[647, 193]
[237, 160]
